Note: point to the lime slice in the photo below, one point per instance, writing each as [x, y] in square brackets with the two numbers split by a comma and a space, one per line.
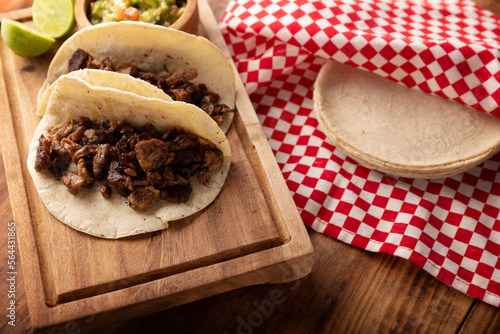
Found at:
[56, 18]
[23, 40]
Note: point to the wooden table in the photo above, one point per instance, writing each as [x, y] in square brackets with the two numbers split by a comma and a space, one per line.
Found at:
[348, 291]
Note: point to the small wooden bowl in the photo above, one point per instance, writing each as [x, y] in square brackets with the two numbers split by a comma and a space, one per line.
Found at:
[188, 21]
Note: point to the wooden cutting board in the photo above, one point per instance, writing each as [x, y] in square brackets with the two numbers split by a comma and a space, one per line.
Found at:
[251, 234]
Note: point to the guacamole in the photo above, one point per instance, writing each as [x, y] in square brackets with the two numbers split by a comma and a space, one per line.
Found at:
[162, 12]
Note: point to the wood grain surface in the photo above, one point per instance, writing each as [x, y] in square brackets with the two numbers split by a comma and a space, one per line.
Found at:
[348, 291]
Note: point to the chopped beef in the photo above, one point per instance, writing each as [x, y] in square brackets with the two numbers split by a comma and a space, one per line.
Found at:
[177, 194]
[70, 145]
[184, 142]
[142, 198]
[101, 161]
[219, 112]
[177, 85]
[108, 65]
[127, 69]
[187, 158]
[79, 60]
[83, 172]
[130, 172]
[72, 181]
[139, 163]
[152, 79]
[60, 159]
[92, 136]
[106, 191]
[179, 95]
[118, 181]
[104, 65]
[207, 104]
[212, 160]
[141, 181]
[83, 152]
[85, 121]
[204, 176]
[181, 77]
[43, 160]
[152, 154]
[77, 135]
[61, 131]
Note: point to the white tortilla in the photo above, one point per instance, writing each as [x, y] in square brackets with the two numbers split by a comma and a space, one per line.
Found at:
[98, 78]
[151, 48]
[397, 130]
[88, 211]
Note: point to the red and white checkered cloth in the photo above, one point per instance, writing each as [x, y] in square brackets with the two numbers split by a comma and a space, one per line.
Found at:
[450, 227]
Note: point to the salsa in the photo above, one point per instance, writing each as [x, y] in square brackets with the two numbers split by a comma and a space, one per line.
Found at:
[162, 12]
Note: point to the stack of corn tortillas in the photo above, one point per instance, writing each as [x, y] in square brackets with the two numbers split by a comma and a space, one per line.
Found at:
[397, 130]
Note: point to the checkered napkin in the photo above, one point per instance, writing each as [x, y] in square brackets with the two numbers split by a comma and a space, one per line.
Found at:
[450, 227]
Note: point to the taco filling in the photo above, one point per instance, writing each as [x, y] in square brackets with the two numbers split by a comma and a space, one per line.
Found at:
[177, 85]
[139, 163]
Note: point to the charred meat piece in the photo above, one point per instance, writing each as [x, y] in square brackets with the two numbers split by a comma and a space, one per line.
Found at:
[220, 112]
[177, 194]
[152, 154]
[187, 158]
[77, 135]
[60, 159]
[106, 191]
[79, 60]
[92, 136]
[43, 160]
[181, 77]
[179, 95]
[104, 65]
[119, 182]
[83, 152]
[83, 172]
[102, 159]
[52, 155]
[127, 69]
[142, 198]
[108, 65]
[85, 121]
[70, 146]
[207, 105]
[152, 79]
[211, 162]
[72, 181]
[184, 141]
[61, 131]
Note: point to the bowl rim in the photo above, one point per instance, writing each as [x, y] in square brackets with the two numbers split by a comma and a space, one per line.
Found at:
[82, 20]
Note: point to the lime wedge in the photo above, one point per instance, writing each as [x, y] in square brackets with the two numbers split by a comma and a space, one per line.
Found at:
[56, 18]
[23, 40]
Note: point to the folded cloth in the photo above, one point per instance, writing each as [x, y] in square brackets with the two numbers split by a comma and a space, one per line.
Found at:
[449, 226]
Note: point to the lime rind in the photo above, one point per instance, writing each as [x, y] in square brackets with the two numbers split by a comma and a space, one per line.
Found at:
[24, 40]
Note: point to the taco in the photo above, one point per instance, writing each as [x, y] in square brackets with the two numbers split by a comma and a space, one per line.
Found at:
[188, 68]
[397, 130]
[109, 79]
[112, 163]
